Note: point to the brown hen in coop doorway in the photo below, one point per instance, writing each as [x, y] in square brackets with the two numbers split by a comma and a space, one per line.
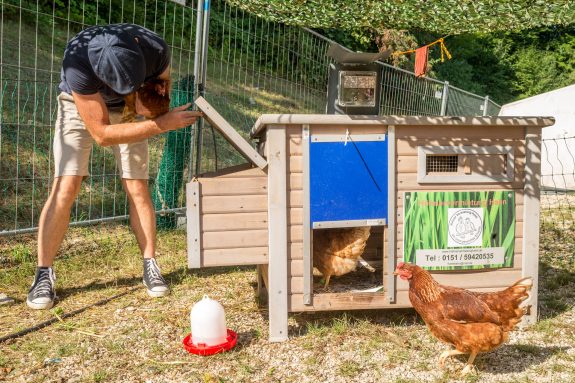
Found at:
[338, 251]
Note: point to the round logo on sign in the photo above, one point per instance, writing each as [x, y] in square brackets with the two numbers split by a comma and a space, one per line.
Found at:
[465, 227]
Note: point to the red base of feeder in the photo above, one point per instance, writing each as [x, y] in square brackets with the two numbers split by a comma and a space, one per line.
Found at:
[202, 349]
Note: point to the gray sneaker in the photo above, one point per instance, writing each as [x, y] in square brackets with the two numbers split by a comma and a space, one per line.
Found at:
[42, 295]
[153, 280]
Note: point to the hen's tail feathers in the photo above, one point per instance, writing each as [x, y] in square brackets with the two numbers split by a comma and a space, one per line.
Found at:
[521, 289]
[510, 304]
[519, 293]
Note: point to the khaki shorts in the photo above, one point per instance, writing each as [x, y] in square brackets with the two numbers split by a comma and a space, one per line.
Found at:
[73, 144]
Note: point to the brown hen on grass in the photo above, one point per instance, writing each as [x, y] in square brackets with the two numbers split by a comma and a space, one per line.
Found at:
[472, 322]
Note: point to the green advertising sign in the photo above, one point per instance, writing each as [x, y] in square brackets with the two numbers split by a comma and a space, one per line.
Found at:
[459, 230]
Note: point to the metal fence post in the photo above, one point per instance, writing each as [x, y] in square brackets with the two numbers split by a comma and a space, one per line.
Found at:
[199, 72]
[444, 98]
[485, 105]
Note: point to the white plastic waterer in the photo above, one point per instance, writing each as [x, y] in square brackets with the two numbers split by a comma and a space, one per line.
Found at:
[208, 322]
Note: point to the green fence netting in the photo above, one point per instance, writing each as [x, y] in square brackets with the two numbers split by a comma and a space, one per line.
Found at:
[175, 156]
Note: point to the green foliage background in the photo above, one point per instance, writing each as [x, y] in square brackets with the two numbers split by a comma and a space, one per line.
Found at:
[511, 65]
[439, 16]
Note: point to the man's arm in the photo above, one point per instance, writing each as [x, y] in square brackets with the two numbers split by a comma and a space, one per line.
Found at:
[165, 75]
[94, 112]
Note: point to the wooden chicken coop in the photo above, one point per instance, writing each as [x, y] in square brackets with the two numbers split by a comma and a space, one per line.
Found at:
[457, 195]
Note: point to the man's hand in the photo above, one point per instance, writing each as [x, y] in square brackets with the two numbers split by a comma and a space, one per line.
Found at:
[177, 118]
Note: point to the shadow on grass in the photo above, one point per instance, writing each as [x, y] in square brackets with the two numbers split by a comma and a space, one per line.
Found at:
[556, 271]
[521, 357]
[175, 277]
[245, 339]
[313, 322]
[556, 290]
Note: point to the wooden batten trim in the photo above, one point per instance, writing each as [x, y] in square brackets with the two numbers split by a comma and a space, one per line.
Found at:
[531, 217]
[307, 234]
[296, 181]
[193, 224]
[278, 234]
[390, 283]
[233, 137]
[348, 301]
[466, 122]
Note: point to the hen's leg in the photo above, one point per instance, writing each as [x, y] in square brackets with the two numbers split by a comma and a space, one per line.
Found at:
[327, 277]
[446, 354]
[469, 366]
[364, 263]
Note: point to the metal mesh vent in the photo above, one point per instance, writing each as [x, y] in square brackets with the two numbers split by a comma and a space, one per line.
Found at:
[441, 164]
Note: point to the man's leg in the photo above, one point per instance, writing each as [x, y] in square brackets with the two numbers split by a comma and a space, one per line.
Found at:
[143, 223]
[55, 217]
[142, 215]
[53, 225]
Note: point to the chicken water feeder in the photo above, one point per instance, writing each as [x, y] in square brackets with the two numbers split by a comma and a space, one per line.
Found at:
[456, 195]
[209, 332]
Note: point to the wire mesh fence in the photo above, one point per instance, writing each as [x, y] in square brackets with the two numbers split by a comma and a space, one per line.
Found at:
[558, 182]
[33, 35]
[253, 67]
[405, 94]
[462, 103]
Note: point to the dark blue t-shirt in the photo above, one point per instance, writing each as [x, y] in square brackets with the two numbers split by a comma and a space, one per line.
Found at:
[78, 74]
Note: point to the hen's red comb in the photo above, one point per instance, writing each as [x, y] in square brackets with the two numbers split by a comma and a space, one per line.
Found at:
[400, 265]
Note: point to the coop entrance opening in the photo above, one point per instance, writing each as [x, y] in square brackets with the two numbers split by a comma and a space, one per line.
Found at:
[348, 259]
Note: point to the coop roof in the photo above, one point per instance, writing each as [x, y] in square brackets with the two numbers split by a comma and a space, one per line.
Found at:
[341, 119]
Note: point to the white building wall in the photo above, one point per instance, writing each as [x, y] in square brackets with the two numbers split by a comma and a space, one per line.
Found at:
[558, 149]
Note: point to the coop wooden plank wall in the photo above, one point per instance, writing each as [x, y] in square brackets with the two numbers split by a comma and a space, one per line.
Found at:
[234, 217]
[519, 134]
[410, 132]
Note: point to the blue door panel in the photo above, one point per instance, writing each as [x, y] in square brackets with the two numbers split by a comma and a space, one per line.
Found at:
[348, 181]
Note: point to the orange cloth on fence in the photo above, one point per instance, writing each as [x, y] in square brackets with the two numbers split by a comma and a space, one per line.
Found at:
[421, 61]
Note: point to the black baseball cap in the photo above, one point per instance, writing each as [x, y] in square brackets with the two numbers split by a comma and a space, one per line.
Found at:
[117, 60]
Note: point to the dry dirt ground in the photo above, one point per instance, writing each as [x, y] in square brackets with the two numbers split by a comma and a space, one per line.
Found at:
[137, 339]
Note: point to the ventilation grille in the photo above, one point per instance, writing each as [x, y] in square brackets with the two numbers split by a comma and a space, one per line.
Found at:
[441, 164]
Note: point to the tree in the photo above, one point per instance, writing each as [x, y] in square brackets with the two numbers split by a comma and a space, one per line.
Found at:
[440, 16]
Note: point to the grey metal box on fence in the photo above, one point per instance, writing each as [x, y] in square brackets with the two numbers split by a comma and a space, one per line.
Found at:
[354, 82]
